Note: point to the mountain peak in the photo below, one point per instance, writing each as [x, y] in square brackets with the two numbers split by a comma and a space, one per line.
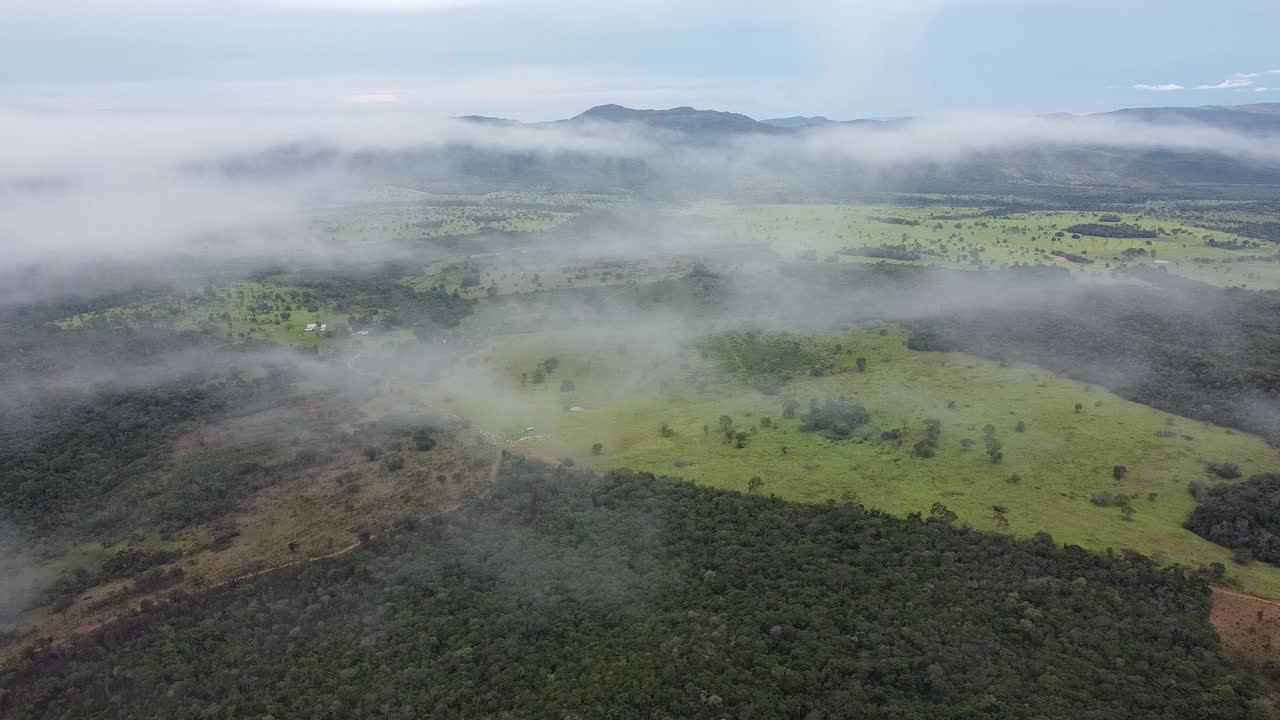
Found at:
[684, 119]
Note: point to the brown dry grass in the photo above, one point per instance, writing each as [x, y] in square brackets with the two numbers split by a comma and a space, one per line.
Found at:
[320, 510]
[1249, 628]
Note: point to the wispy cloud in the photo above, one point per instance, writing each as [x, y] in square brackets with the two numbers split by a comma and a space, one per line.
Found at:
[1168, 87]
[1230, 83]
[372, 99]
[376, 5]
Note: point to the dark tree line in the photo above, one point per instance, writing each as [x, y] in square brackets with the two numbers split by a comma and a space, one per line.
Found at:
[1193, 350]
[887, 252]
[567, 595]
[1242, 516]
[1111, 230]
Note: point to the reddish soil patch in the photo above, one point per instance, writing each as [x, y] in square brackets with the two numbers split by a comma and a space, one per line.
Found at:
[1250, 631]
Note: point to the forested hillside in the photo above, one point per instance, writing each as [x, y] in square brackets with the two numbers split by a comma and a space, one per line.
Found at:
[568, 595]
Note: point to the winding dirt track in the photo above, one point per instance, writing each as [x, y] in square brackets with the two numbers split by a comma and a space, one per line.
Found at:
[1217, 589]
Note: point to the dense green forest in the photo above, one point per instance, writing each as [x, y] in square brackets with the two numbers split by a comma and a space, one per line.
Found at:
[1191, 350]
[1242, 516]
[629, 596]
[1111, 230]
[60, 460]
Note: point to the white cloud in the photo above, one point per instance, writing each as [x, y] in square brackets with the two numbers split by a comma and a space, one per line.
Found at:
[1262, 89]
[1229, 84]
[1168, 87]
[377, 5]
[372, 99]
[1247, 75]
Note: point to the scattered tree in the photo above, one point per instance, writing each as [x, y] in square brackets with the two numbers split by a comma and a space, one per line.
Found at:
[941, 513]
[1225, 470]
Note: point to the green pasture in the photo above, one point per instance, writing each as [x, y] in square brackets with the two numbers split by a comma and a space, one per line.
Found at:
[1062, 459]
[244, 311]
[947, 237]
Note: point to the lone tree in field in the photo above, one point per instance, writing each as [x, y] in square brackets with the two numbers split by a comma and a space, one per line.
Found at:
[942, 513]
[789, 408]
[666, 431]
[1225, 470]
[838, 417]
[1020, 427]
[995, 451]
[860, 364]
[754, 485]
[1119, 471]
[597, 448]
[927, 446]
[999, 518]
[1079, 407]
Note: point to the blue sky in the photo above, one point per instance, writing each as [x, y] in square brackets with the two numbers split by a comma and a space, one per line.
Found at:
[544, 59]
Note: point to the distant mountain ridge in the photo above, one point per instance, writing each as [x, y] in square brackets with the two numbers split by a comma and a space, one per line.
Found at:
[1018, 168]
[684, 119]
[1260, 118]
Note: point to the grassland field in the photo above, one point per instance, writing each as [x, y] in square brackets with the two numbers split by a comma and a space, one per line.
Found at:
[244, 311]
[946, 238]
[1062, 458]
[404, 214]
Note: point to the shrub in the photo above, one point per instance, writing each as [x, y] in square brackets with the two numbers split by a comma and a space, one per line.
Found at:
[1225, 470]
[838, 417]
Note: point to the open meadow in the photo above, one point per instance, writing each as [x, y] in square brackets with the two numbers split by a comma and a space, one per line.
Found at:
[1060, 441]
[971, 237]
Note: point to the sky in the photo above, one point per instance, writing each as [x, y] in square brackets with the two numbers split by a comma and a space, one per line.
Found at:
[547, 59]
